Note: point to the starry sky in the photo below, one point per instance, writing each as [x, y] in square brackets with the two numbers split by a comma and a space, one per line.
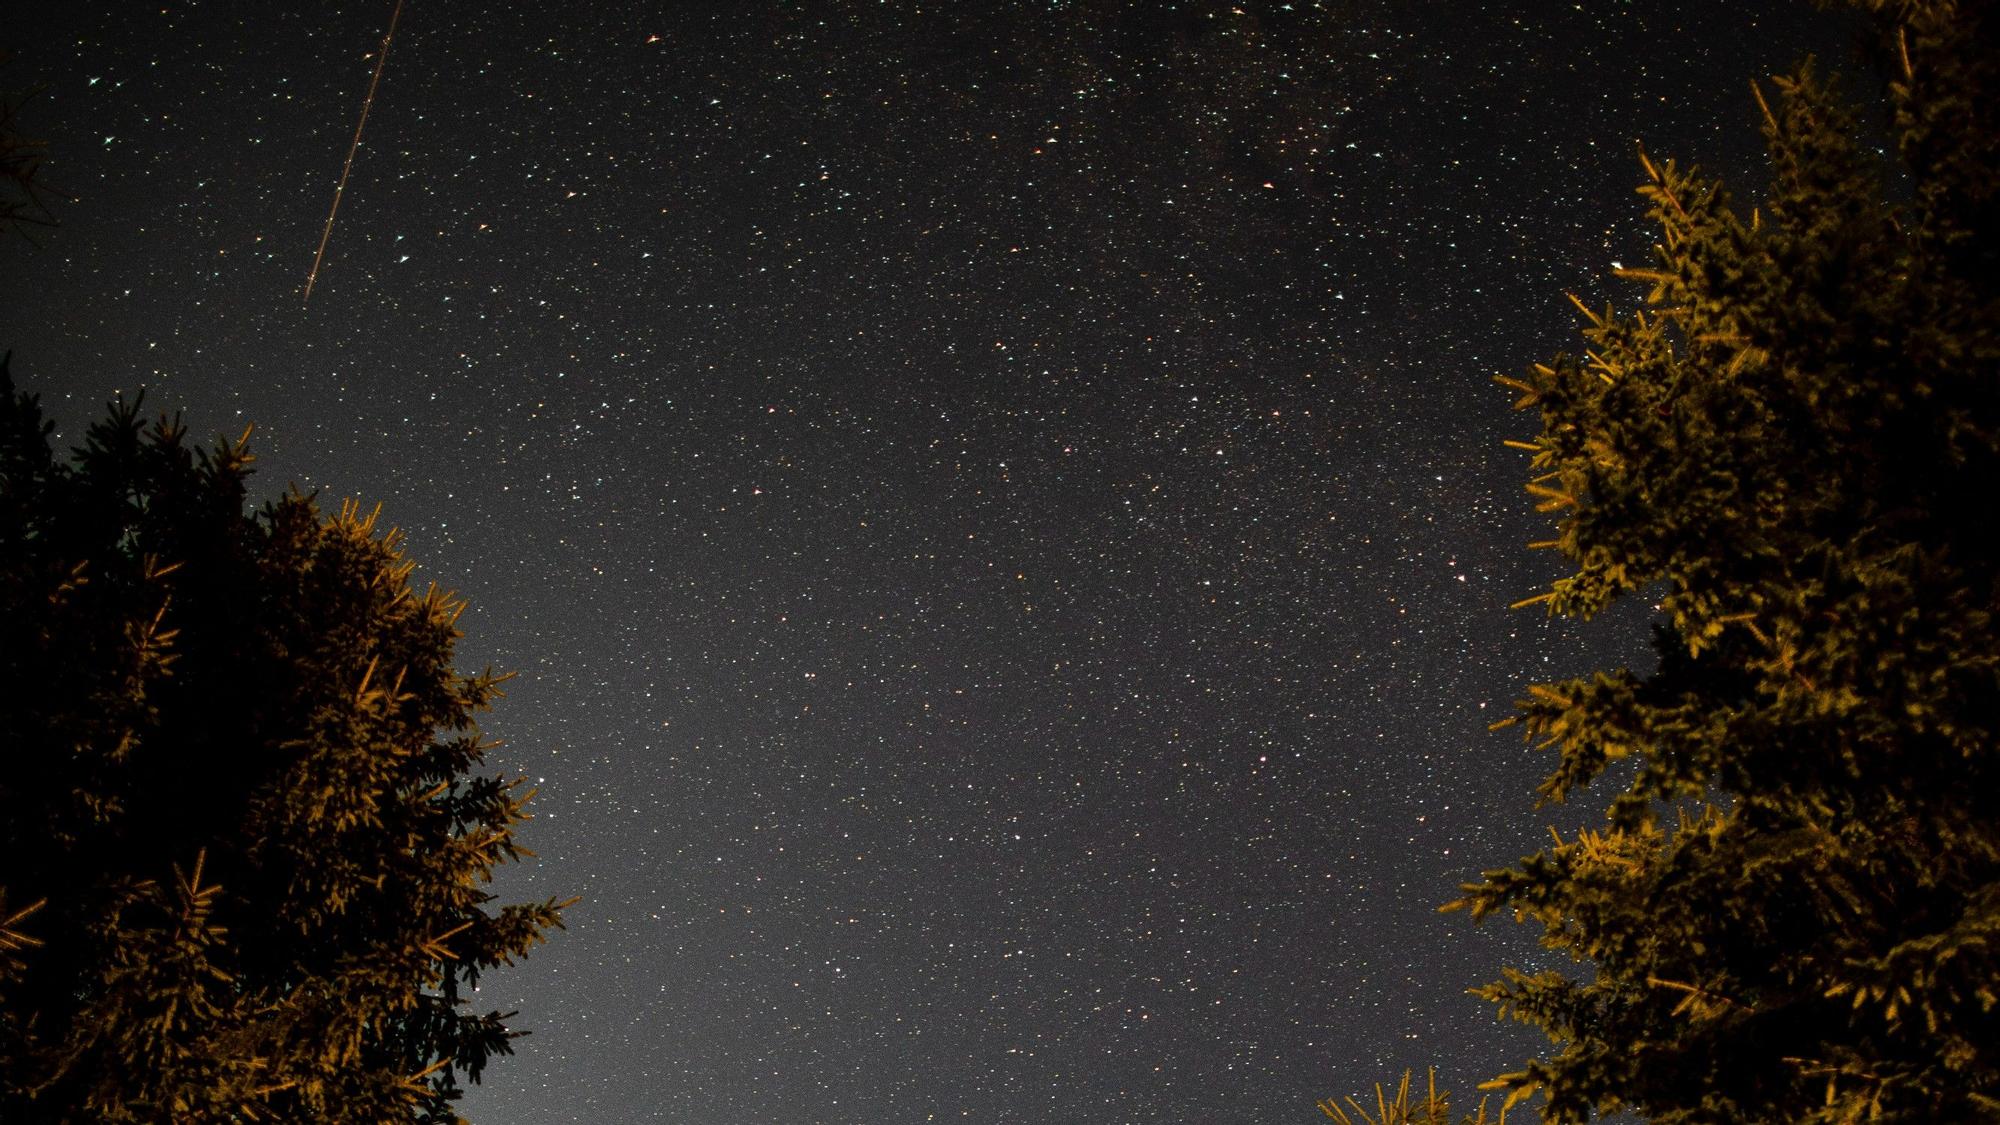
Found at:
[998, 508]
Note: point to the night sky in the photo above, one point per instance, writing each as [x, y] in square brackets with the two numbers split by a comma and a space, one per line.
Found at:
[998, 508]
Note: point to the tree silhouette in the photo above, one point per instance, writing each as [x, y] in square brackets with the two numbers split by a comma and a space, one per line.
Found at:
[1792, 912]
[243, 851]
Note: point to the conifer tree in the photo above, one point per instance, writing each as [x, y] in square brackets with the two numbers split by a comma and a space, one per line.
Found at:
[1792, 910]
[1434, 1108]
[244, 846]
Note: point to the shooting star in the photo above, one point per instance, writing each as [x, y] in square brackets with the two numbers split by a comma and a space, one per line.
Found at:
[381, 57]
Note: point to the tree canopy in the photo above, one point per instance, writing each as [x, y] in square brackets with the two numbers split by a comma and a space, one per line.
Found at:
[245, 843]
[1792, 911]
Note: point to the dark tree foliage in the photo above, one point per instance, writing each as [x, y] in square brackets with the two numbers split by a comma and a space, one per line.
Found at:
[243, 851]
[1793, 911]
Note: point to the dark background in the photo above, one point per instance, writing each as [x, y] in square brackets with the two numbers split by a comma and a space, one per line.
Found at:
[998, 508]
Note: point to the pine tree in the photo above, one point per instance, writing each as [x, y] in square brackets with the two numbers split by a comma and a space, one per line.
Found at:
[244, 849]
[1792, 911]
[1433, 1109]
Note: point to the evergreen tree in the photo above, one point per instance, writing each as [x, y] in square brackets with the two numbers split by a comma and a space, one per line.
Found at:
[243, 851]
[1792, 912]
[1433, 1109]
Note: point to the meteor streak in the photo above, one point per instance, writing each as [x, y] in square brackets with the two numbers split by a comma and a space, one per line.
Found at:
[381, 57]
